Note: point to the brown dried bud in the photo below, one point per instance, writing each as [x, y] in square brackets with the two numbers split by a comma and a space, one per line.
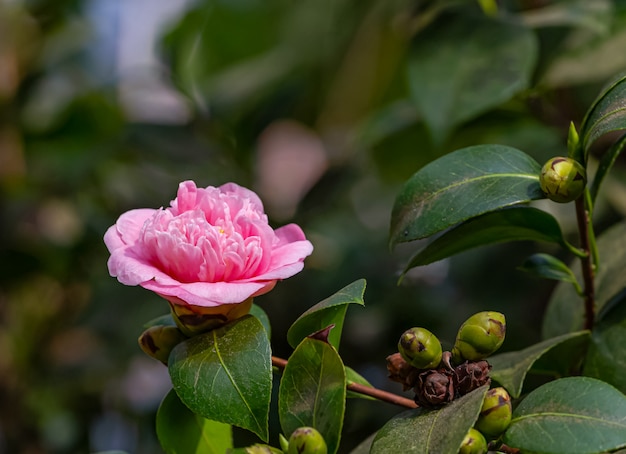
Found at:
[471, 375]
[434, 387]
[402, 372]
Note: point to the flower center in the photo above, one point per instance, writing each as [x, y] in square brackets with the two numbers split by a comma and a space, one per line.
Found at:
[220, 239]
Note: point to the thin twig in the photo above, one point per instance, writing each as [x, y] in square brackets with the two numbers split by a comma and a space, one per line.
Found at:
[582, 216]
[363, 389]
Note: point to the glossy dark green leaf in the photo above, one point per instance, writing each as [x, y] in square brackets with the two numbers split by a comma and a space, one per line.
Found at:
[605, 165]
[226, 375]
[463, 66]
[462, 185]
[313, 391]
[575, 415]
[607, 113]
[330, 311]
[510, 369]
[565, 312]
[511, 224]
[606, 358]
[180, 431]
[430, 432]
[549, 267]
[259, 313]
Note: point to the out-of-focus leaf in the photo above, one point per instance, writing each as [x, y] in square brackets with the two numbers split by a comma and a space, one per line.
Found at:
[510, 224]
[181, 431]
[588, 58]
[549, 267]
[606, 114]
[510, 369]
[575, 415]
[226, 375]
[595, 16]
[606, 163]
[463, 66]
[462, 185]
[606, 358]
[330, 311]
[313, 391]
[430, 432]
[565, 311]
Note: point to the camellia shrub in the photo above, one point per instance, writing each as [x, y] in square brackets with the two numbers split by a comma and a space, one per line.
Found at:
[212, 251]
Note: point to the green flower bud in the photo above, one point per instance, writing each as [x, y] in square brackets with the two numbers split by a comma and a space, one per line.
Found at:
[420, 348]
[479, 336]
[158, 341]
[495, 414]
[473, 443]
[562, 179]
[306, 440]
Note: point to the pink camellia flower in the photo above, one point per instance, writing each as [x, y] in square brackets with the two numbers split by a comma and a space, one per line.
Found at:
[212, 247]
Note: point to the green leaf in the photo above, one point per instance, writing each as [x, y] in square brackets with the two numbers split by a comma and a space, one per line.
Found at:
[572, 415]
[330, 311]
[313, 391]
[549, 267]
[511, 224]
[354, 377]
[510, 369]
[462, 185]
[226, 374]
[180, 431]
[492, 61]
[430, 432]
[259, 313]
[606, 163]
[565, 312]
[607, 113]
[606, 358]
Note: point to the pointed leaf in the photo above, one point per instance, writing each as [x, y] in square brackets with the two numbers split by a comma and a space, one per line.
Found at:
[330, 311]
[492, 61]
[549, 267]
[181, 431]
[575, 415]
[313, 391]
[462, 185]
[606, 163]
[511, 224]
[607, 113]
[430, 432]
[226, 374]
[565, 309]
[510, 369]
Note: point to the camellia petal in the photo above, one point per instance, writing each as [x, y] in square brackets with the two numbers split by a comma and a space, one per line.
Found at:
[211, 247]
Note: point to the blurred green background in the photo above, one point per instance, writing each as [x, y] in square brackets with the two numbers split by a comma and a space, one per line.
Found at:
[324, 107]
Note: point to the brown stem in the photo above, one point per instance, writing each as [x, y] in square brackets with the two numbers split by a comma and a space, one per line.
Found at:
[362, 389]
[582, 216]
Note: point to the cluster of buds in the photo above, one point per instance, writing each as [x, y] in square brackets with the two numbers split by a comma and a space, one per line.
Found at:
[438, 377]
